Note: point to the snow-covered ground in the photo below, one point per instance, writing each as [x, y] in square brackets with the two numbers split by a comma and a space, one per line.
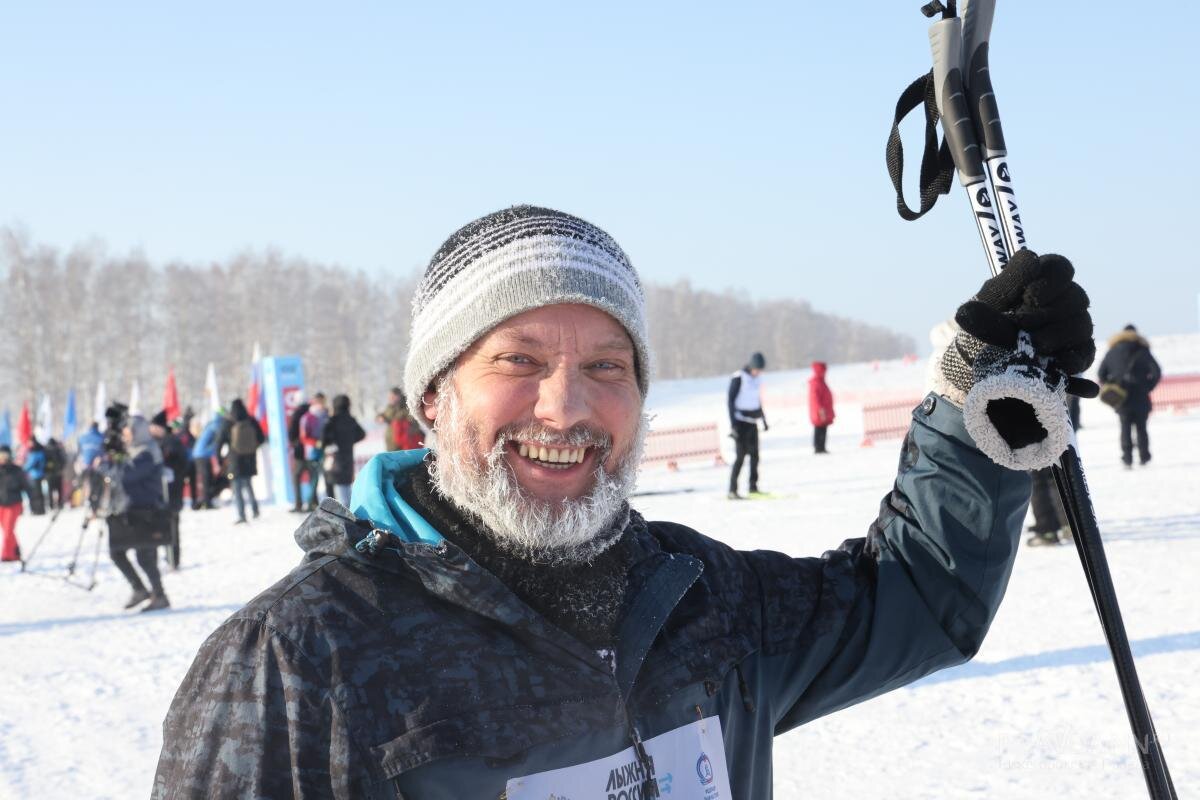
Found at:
[1037, 714]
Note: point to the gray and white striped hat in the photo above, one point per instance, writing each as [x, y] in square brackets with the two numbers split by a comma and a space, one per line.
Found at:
[509, 262]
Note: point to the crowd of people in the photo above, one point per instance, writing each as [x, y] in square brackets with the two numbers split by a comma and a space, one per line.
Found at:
[138, 474]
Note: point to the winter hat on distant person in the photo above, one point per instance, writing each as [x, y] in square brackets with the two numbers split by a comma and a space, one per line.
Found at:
[756, 362]
[160, 419]
[507, 263]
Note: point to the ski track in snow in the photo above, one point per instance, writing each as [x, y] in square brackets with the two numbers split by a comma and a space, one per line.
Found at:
[1036, 714]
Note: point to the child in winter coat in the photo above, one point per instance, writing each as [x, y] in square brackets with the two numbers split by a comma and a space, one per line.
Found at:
[13, 484]
[820, 406]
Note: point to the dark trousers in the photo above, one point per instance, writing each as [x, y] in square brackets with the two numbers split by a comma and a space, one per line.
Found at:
[241, 484]
[173, 550]
[53, 490]
[1130, 420]
[37, 501]
[203, 496]
[147, 558]
[1048, 513]
[313, 469]
[746, 437]
[819, 432]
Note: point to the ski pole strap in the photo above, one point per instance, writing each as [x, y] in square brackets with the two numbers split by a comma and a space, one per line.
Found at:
[937, 165]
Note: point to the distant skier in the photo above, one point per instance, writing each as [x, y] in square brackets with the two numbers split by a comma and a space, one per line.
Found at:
[203, 453]
[820, 406]
[35, 470]
[91, 447]
[1128, 373]
[312, 428]
[745, 411]
[342, 432]
[241, 440]
[13, 484]
[175, 463]
[402, 431]
[56, 462]
[137, 510]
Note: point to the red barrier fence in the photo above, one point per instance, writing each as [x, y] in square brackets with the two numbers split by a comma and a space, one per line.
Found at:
[888, 420]
[1176, 392]
[691, 443]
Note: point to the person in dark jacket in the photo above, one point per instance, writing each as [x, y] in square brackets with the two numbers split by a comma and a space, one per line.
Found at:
[240, 441]
[175, 464]
[1129, 364]
[492, 619]
[182, 428]
[745, 412]
[137, 511]
[56, 462]
[341, 433]
[13, 484]
[820, 406]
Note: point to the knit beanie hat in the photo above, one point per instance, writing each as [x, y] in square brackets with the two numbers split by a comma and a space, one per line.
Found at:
[509, 262]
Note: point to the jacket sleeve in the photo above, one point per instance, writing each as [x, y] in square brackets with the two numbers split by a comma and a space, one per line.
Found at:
[1153, 372]
[359, 433]
[259, 436]
[916, 595]
[735, 386]
[251, 720]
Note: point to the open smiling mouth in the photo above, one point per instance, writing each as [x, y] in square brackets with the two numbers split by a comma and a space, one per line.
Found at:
[558, 458]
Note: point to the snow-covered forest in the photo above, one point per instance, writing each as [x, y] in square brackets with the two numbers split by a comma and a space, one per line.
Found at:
[76, 317]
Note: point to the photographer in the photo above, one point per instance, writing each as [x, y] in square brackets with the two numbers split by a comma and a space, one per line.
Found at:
[137, 514]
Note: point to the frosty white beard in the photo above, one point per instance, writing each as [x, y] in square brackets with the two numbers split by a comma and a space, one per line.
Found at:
[539, 530]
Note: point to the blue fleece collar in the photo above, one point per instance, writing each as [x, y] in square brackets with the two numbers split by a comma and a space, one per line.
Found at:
[374, 497]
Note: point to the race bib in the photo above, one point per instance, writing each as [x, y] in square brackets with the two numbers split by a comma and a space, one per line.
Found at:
[687, 763]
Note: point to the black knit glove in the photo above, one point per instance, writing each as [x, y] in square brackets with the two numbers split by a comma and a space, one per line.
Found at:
[1022, 337]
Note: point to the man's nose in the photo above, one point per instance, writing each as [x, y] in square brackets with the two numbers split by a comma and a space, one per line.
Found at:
[562, 399]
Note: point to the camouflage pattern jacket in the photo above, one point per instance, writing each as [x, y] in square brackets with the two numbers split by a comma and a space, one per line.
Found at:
[402, 669]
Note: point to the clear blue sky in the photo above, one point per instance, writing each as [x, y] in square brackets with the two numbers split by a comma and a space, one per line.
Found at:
[734, 144]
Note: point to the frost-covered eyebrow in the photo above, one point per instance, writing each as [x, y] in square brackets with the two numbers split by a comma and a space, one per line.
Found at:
[511, 339]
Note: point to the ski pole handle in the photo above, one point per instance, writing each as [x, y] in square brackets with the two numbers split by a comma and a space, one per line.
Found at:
[945, 41]
[981, 99]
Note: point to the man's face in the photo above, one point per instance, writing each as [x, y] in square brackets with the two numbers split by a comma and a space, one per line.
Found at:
[754, 373]
[560, 375]
[5, 457]
[157, 431]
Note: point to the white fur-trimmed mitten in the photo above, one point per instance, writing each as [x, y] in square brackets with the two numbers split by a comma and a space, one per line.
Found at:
[1020, 339]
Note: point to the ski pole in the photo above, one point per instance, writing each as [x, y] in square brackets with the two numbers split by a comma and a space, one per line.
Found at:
[95, 559]
[965, 111]
[78, 546]
[53, 518]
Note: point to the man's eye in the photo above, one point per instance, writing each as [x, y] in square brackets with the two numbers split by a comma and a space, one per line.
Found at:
[607, 366]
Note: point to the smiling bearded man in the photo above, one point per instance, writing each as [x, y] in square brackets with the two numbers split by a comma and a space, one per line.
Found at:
[491, 619]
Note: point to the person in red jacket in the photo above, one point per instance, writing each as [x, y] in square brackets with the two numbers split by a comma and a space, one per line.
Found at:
[820, 406]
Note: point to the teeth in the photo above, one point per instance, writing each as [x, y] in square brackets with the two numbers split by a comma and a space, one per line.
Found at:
[553, 455]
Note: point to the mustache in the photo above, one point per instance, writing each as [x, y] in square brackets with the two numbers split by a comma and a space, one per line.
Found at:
[580, 435]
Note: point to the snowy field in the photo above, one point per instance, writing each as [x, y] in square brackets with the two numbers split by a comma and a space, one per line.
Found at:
[1036, 715]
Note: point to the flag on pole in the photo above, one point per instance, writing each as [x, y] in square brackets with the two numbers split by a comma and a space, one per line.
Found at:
[212, 400]
[6, 429]
[256, 399]
[24, 426]
[44, 428]
[70, 422]
[171, 397]
[99, 405]
[135, 398]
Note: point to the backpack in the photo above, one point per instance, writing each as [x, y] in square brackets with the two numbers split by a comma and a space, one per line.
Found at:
[242, 440]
